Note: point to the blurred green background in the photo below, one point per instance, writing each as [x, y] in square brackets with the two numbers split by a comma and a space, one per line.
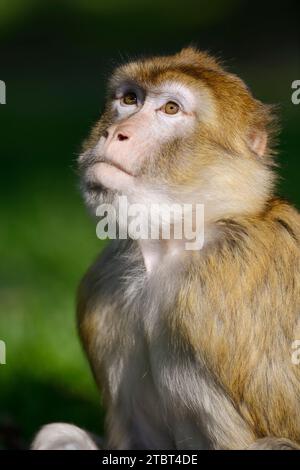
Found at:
[55, 57]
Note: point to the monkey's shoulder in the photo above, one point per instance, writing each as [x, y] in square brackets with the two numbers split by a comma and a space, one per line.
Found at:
[278, 222]
[252, 254]
[285, 215]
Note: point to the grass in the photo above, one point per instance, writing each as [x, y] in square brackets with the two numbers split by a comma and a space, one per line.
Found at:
[45, 248]
[47, 241]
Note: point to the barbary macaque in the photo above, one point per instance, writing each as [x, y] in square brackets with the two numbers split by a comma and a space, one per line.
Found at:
[192, 348]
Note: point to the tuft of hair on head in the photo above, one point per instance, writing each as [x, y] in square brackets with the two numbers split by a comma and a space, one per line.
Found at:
[191, 55]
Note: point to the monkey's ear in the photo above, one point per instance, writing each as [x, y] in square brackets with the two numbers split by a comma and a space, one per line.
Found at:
[257, 141]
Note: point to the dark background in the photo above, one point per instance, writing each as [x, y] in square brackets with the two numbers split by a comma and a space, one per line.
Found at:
[55, 57]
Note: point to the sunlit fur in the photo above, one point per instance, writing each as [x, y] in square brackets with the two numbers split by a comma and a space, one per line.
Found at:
[197, 352]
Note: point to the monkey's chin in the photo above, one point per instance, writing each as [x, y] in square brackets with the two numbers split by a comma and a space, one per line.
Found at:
[102, 182]
[95, 194]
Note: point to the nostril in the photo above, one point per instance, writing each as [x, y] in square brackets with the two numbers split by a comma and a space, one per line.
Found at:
[122, 137]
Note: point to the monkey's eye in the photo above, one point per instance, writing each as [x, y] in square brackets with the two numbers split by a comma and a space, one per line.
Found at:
[129, 99]
[170, 108]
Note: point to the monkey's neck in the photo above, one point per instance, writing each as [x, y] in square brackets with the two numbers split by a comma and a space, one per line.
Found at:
[155, 252]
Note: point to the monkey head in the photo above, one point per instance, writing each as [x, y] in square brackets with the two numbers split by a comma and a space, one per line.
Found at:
[182, 129]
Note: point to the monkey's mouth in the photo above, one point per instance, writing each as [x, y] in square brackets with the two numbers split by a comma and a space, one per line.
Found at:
[105, 175]
[118, 167]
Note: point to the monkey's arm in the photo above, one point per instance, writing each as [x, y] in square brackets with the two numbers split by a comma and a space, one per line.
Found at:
[109, 322]
[98, 302]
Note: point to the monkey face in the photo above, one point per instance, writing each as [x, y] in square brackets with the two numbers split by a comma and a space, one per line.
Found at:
[147, 128]
[146, 136]
[172, 127]
[145, 121]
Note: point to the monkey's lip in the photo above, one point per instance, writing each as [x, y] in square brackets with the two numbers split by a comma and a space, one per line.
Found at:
[111, 176]
[92, 181]
[119, 167]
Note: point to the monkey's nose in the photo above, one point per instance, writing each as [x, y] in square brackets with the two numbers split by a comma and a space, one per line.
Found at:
[122, 136]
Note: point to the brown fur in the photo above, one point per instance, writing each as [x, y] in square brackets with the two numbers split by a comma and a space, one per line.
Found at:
[202, 347]
[249, 287]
